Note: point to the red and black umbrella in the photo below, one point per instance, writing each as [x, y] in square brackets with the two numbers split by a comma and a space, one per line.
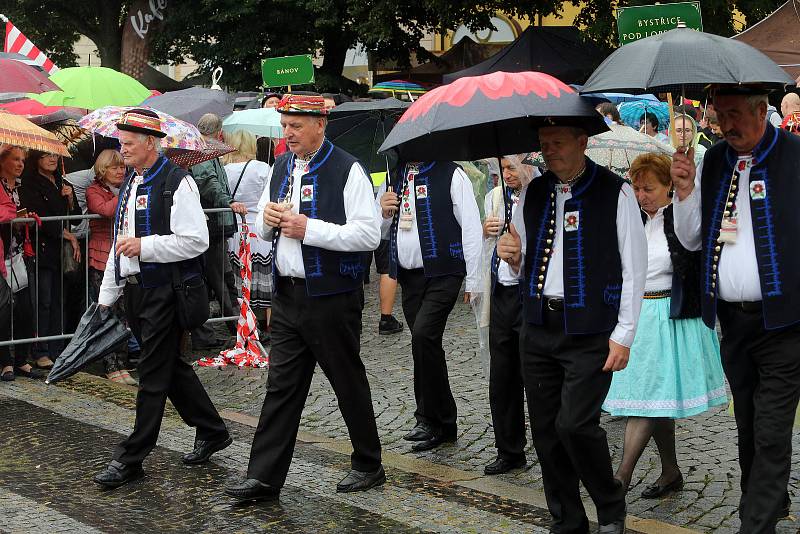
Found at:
[488, 116]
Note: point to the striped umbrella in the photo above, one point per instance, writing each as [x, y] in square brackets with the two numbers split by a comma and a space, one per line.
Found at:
[248, 351]
[397, 88]
[19, 131]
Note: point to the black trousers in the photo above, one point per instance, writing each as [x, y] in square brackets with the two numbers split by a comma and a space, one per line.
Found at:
[162, 375]
[506, 387]
[306, 331]
[427, 303]
[763, 370]
[566, 386]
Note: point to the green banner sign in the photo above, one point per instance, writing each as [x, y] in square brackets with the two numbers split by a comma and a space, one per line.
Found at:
[288, 70]
[638, 22]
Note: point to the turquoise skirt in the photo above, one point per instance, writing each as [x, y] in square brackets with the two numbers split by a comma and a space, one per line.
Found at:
[674, 369]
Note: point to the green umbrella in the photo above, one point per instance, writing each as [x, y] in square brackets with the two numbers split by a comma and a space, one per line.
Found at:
[263, 122]
[93, 88]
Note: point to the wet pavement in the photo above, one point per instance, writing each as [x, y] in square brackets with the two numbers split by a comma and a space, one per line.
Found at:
[54, 438]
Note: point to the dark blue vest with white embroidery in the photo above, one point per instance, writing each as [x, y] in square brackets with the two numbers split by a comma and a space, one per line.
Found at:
[774, 190]
[437, 226]
[322, 197]
[592, 265]
[151, 219]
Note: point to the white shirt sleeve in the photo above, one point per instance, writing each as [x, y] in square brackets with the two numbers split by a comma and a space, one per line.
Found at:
[264, 231]
[109, 290]
[465, 210]
[187, 221]
[688, 215]
[633, 253]
[362, 231]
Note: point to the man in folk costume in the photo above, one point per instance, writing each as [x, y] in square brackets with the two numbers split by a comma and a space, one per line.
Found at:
[577, 238]
[434, 231]
[148, 241]
[503, 303]
[319, 210]
[739, 207]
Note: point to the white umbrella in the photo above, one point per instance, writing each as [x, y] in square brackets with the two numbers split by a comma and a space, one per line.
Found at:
[262, 122]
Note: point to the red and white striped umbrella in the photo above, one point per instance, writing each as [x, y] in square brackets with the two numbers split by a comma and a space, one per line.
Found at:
[248, 351]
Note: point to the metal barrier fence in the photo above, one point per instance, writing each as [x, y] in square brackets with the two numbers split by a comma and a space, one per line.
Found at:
[33, 271]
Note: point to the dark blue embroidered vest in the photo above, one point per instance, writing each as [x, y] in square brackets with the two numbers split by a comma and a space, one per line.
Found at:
[592, 265]
[151, 219]
[322, 197]
[437, 226]
[774, 190]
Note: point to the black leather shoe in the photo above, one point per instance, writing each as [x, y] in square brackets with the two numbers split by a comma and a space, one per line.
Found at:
[435, 440]
[656, 490]
[617, 527]
[361, 480]
[389, 326]
[116, 474]
[421, 432]
[252, 490]
[501, 465]
[204, 449]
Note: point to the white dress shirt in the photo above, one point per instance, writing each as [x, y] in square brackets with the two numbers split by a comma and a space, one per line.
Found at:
[738, 279]
[659, 262]
[188, 240]
[505, 275]
[361, 232]
[465, 210]
[632, 250]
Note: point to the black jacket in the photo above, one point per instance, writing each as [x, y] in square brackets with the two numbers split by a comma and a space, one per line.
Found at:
[42, 197]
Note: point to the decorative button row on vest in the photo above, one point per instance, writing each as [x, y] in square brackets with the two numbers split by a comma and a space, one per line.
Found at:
[718, 248]
[549, 249]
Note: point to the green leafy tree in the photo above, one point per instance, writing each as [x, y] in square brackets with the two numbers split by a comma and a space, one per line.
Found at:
[47, 29]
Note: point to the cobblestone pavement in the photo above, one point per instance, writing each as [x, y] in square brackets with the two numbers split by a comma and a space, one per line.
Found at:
[706, 443]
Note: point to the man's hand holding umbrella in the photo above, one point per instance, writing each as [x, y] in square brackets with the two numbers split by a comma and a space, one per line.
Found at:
[509, 248]
[683, 172]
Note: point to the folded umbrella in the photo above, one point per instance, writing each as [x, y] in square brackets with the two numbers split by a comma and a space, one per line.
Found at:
[192, 103]
[99, 332]
[684, 59]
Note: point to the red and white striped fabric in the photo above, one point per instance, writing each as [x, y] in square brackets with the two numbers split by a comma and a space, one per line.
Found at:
[16, 42]
[248, 351]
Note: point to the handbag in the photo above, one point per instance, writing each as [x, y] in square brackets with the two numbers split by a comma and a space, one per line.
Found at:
[191, 294]
[16, 273]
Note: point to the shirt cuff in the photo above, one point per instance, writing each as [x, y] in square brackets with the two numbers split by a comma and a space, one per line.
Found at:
[315, 230]
[622, 336]
[690, 200]
[109, 295]
[147, 252]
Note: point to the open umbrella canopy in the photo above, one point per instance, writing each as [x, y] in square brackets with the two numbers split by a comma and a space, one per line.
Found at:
[180, 134]
[261, 122]
[19, 77]
[683, 58]
[361, 127]
[29, 107]
[631, 113]
[93, 88]
[192, 103]
[398, 88]
[19, 131]
[487, 116]
[188, 158]
[64, 124]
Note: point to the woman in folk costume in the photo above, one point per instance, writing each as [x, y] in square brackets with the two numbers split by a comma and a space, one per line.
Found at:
[501, 314]
[675, 369]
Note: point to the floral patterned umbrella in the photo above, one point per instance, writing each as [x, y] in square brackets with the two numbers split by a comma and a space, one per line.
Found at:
[187, 158]
[180, 134]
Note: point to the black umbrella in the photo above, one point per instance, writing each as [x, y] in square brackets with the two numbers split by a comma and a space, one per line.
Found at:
[361, 127]
[488, 116]
[681, 60]
[191, 104]
[99, 332]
